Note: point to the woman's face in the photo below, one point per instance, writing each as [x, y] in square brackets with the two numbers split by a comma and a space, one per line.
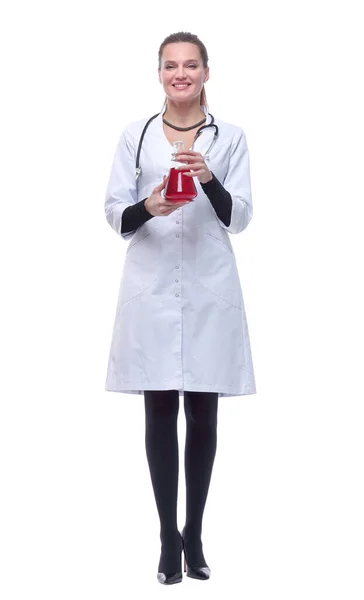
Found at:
[182, 73]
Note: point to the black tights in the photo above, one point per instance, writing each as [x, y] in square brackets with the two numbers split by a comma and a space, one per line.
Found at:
[161, 412]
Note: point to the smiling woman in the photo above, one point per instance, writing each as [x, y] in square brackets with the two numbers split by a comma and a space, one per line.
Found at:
[180, 326]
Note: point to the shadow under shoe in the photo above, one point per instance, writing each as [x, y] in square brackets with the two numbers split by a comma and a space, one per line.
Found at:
[169, 568]
[196, 567]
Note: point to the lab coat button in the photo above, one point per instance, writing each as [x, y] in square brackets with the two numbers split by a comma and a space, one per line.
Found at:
[176, 280]
[177, 295]
[177, 222]
[177, 235]
[177, 266]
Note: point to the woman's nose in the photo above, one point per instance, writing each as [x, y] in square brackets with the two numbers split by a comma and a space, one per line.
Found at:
[181, 73]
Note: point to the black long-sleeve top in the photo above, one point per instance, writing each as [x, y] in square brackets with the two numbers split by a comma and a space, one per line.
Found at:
[136, 215]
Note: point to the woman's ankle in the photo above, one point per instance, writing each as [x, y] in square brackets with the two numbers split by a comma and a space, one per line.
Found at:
[170, 536]
[192, 532]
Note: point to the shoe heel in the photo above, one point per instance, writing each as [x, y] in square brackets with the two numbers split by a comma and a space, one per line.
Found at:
[202, 573]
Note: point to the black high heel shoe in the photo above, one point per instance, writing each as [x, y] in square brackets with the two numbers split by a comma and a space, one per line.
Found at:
[201, 572]
[171, 577]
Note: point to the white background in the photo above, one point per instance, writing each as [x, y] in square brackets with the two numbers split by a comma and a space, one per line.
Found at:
[284, 515]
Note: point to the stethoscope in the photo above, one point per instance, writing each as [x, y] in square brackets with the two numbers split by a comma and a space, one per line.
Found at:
[138, 168]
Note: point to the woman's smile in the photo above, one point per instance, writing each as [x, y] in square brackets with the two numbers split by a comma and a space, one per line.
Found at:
[181, 86]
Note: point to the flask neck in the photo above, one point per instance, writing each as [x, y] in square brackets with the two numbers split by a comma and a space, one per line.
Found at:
[178, 146]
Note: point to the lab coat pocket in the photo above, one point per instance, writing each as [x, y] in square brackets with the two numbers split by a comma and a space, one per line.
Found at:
[216, 268]
[141, 265]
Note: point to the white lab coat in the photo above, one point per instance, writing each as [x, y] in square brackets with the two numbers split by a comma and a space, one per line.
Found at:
[180, 320]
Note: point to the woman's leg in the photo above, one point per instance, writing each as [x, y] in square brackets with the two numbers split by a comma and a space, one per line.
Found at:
[200, 449]
[161, 442]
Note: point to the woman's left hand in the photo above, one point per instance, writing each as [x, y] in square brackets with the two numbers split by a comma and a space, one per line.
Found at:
[196, 163]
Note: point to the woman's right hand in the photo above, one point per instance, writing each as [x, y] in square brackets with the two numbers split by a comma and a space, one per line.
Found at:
[158, 206]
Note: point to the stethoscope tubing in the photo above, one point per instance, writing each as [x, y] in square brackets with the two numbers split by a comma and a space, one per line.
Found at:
[138, 168]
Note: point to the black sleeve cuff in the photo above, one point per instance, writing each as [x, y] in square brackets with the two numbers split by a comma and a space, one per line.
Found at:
[134, 216]
[220, 199]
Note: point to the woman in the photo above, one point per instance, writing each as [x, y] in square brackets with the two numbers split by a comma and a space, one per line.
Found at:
[180, 324]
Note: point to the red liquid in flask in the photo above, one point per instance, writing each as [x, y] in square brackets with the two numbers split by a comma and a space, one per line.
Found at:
[179, 187]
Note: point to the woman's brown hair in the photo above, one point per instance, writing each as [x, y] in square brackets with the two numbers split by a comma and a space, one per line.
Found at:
[185, 36]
